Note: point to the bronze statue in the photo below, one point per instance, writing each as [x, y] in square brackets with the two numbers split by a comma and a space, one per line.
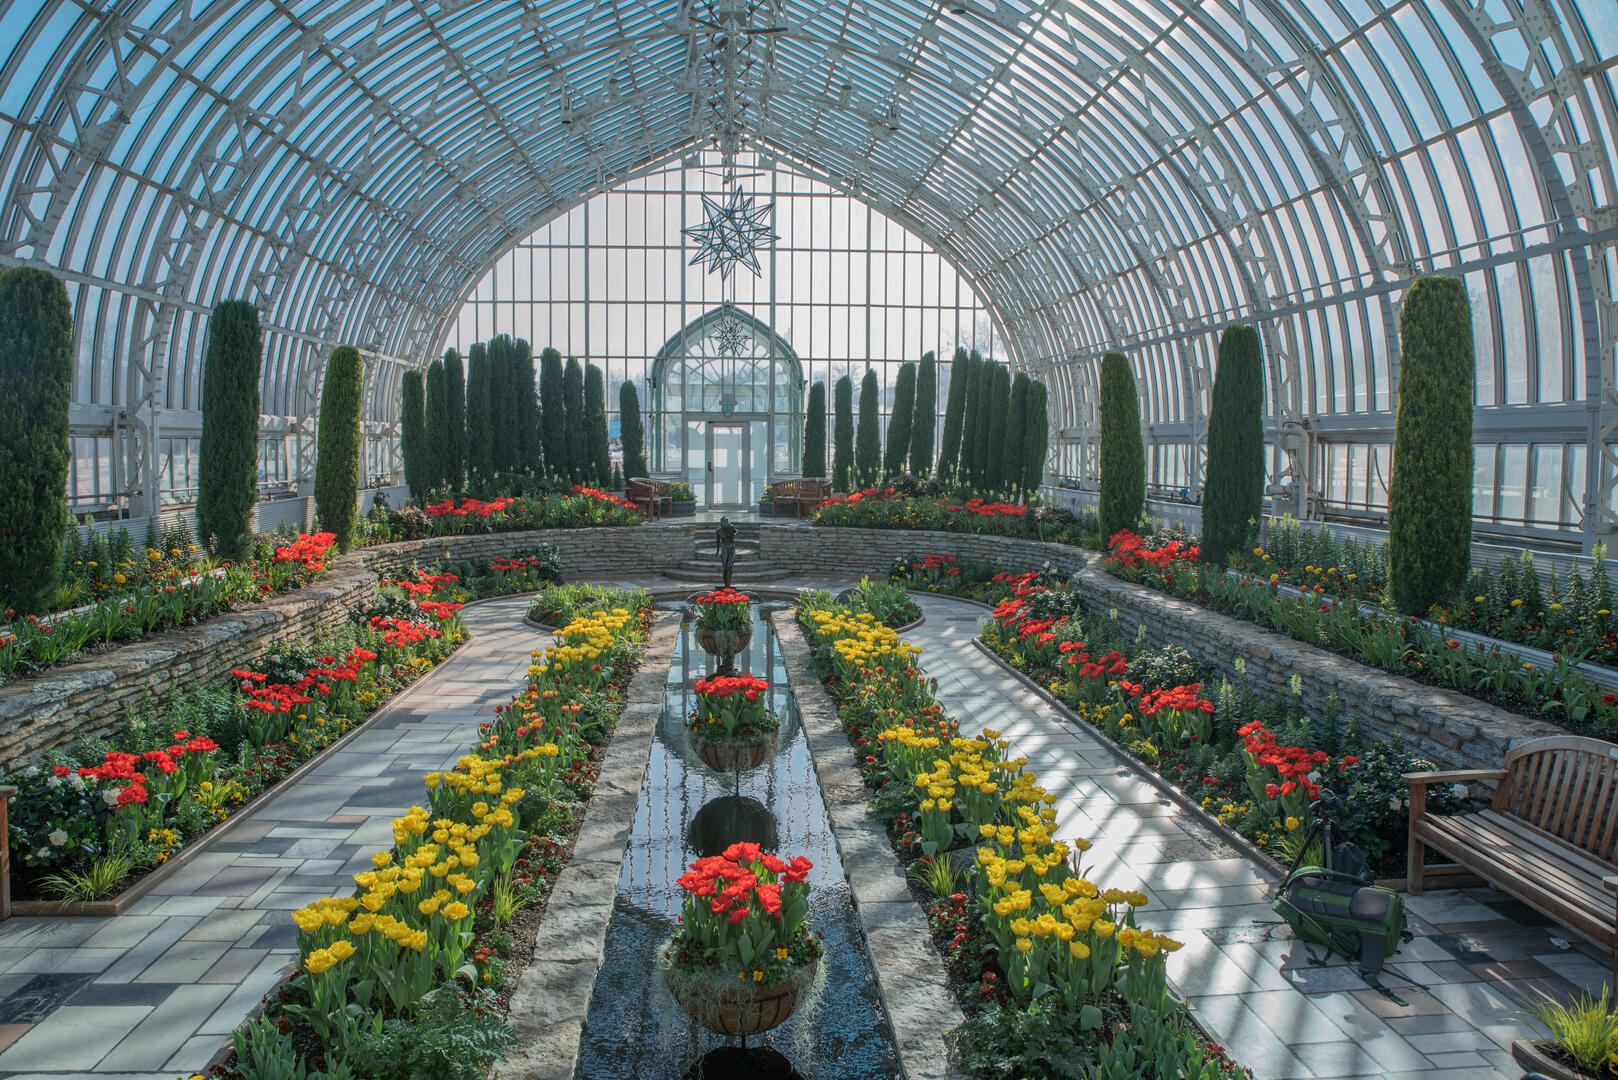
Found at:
[726, 543]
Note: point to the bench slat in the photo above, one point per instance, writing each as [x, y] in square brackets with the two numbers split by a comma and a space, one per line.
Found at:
[1516, 852]
[1582, 826]
[1511, 835]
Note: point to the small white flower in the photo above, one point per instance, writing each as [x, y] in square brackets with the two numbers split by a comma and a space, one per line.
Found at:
[58, 837]
[32, 770]
[43, 853]
[53, 782]
[75, 781]
[110, 796]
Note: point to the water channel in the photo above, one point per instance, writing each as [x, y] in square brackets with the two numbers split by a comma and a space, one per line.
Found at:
[634, 1030]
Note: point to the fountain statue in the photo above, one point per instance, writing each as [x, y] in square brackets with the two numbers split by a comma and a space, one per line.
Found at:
[725, 541]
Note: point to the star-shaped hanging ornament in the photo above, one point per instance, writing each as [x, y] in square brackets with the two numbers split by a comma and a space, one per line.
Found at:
[730, 337]
[735, 229]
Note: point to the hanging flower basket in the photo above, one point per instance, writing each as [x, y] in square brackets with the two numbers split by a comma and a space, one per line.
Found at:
[723, 626]
[742, 1007]
[734, 755]
[743, 958]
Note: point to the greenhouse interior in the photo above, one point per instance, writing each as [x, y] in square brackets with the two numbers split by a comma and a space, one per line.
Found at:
[791, 540]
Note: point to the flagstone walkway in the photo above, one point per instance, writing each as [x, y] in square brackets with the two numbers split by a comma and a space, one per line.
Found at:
[1249, 983]
[154, 993]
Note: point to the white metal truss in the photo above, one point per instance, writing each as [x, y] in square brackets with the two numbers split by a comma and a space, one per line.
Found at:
[1129, 174]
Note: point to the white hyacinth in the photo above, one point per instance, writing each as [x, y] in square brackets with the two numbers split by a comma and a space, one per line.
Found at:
[110, 796]
[58, 837]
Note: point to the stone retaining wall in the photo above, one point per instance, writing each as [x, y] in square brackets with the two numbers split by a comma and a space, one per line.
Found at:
[871, 551]
[1449, 728]
[94, 695]
[600, 552]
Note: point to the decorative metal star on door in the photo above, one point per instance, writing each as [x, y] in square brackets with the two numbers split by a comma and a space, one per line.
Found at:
[735, 229]
[730, 337]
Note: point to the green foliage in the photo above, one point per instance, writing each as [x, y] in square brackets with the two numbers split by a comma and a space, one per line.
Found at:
[445, 1039]
[1036, 433]
[924, 419]
[337, 444]
[36, 385]
[525, 391]
[228, 458]
[1586, 1030]
[1233, 493]
[980, 411]
[413, 435]
[814, 432]
[553, 415]
[842, 461]
[904, 407]
[1123, 455]
[868, 437]
[435, 432]
[949, 445]
[479, 420]
[1011, 466]
[631, 430]
[595, 427]
[995, 459]
[1041, 1043]
[573, 421]
[1430, 498]
[455, 382]
[969, 375]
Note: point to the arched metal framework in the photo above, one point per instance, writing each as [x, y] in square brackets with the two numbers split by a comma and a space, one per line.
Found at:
[1129, 174]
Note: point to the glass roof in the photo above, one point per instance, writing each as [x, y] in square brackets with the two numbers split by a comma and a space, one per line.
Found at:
[1107, 174]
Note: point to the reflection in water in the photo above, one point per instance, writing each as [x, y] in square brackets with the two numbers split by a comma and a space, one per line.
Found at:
[634, 1032]
[732, 819]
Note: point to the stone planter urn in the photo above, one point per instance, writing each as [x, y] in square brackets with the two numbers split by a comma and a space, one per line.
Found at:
[733, 755]
[724, 643]
[740, 1008]
[1535, 1060]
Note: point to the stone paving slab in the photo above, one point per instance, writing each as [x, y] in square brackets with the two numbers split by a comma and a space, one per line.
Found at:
[162, 986]
[1246, 980]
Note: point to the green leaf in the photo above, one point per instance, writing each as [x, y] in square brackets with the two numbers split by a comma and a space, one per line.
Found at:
[1090, 1018]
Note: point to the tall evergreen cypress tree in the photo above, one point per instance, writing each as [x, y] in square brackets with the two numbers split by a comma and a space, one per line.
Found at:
[36, 387]
[413, 435]
[553, 415]
[967, 471]
[228, 458]
[868, 433]
[1430, 498]
[337, 445]
[949, 446]
[904, 407]
[1036, 439]
[1011, 469]
[525, 391]
[842, 454]
[924, 419]
[436, 432]
[981, 410]
[595, 427]
[479, 421]
[503, 405]
[814, 432]
[455, 380]
[578, 454]
[631, 430]
[1233, 492]
[995, 463]
[1123, 455]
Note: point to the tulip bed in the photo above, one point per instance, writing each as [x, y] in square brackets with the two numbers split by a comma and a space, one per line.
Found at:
[579, 508]
[91, 818]
[1255, 763]
[405, 977]
[1557, 692]
[159, 591]
[558, 605]
[891, 508]
[1057, 976]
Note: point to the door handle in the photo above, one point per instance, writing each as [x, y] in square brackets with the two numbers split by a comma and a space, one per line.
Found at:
[710, 466]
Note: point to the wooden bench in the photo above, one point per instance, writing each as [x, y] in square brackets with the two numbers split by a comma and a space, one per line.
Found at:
[1549, 838]
[656, 497]
[802, 494]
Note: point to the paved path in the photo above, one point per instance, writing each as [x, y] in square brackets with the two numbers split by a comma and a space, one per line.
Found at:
[1247, 980]
[155, 993]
